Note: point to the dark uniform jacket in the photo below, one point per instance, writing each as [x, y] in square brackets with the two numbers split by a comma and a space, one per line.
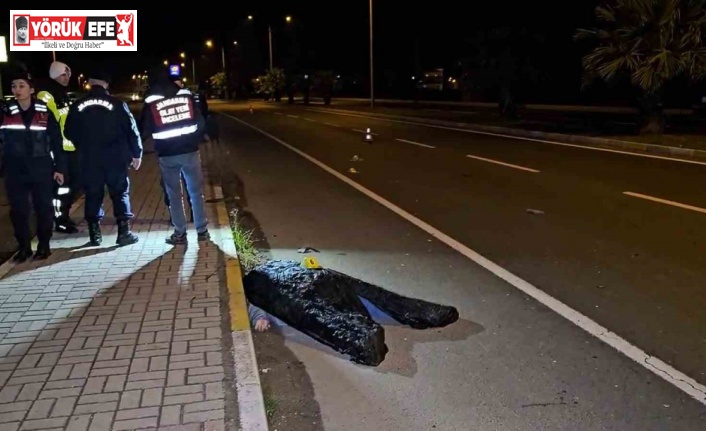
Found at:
[103, 129]
[29, 136]
[172, 119]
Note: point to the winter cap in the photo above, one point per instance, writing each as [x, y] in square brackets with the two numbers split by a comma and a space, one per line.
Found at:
[158, 75]
[99, 75]
[57, 69]
[19, 73]
[21, 22]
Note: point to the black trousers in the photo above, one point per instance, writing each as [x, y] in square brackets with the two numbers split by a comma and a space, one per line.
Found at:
[66, 194]
[31, 178]
[95, 180]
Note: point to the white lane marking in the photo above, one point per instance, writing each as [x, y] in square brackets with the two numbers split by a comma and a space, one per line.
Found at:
[332, 125]
[563, 144]
[415, 143]
[522, 168]
[653, 364]
[278, 113]
[364, 131]
[292, 116]
[664, 201]
[310, 119]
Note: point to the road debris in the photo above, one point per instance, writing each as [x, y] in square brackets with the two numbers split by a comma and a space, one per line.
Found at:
[535, 212]
[307, 250]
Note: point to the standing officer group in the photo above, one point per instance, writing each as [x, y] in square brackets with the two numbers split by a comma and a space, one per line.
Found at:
[106, 136]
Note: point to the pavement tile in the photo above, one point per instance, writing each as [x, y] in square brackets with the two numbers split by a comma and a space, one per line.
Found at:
[106, 338]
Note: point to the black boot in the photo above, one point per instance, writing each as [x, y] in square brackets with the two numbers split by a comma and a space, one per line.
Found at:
[94, 232]
[24, 253]
[125, 237]
[43, 252]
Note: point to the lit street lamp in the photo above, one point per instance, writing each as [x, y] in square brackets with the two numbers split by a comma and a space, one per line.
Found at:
[288, 19]
[209, 43]
[80, 78]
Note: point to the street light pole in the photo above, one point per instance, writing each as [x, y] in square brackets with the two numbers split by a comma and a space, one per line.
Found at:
[225, 73]
[372, 74]
[269, 31]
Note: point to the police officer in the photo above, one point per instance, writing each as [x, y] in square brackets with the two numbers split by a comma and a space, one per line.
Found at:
[175, 123]
[106, 136]
[32, 160]
[179, 81]
[57, 99]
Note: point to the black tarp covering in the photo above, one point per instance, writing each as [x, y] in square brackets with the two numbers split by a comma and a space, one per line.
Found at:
[325, 305]
[312, 302]
[415, 313]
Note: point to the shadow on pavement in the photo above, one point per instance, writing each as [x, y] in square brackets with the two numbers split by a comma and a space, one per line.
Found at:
[58, 256]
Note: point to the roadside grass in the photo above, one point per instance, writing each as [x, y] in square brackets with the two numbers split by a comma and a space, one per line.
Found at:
[270, 404]
[248, 254]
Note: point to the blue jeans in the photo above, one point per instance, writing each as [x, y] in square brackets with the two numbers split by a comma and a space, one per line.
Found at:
[188, 165]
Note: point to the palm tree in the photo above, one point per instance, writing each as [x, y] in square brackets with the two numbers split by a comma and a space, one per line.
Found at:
[652, 42]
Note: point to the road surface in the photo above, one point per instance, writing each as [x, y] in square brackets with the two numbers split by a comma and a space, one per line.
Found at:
[614, 239]
[619, 122]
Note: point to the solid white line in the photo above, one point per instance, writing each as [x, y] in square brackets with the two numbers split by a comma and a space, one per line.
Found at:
[292, 116]
[664, 201]
[332, 125]
[522, 168]
[563, 144]
[657, 366]
[415, 143]
[310, 119]
[278, 113]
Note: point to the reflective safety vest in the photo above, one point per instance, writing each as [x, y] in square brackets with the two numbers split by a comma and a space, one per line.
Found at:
[60, 114]
[174, 116]
[15, 136]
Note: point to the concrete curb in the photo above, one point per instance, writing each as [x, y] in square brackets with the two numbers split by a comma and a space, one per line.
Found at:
[251, 404]
[586, 141]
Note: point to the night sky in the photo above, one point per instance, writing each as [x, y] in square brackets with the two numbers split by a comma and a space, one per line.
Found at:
[334, 35]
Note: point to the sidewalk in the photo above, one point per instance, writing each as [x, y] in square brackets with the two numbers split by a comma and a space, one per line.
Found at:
[106, 338]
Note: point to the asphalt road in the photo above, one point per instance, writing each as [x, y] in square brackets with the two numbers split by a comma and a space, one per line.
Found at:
[555, 121]
[631, 264]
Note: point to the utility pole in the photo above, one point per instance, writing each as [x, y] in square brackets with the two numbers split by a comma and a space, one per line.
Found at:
[225, 73]
[269, 31]
[372, 74]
